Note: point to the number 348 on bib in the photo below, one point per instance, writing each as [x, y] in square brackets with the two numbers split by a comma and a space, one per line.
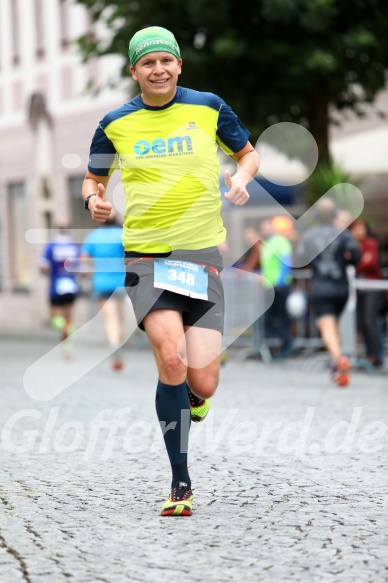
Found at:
[182, 277]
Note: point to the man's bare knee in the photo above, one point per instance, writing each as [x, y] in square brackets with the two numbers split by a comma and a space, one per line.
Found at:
[173, 363]
[204, 388]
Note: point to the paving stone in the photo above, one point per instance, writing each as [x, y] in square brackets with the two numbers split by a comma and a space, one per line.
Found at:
[285, 487]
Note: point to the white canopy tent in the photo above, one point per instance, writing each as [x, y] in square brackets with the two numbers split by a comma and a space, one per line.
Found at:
[364, 153]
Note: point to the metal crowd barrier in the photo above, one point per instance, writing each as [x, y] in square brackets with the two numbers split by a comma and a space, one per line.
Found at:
[243, 294]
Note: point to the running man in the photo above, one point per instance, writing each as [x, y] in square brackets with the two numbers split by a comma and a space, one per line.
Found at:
[63, 286]
[275, 264]
[165, 141]
[330, 287]
[104, 248]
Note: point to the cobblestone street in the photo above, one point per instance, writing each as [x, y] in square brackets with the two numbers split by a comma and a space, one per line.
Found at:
[289, 475]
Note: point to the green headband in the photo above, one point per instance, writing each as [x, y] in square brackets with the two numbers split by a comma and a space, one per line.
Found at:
[153, 39]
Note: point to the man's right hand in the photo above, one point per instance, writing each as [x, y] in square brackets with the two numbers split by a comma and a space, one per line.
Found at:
[99, 208]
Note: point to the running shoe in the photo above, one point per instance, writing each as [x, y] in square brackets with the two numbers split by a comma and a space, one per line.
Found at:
[58, 322]
[179, 502]
[341, 372]
[199, 408]
[68, 342]
[117, 364]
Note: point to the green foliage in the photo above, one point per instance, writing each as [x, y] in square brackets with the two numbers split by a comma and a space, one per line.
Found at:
[325, 176]
[271, 60]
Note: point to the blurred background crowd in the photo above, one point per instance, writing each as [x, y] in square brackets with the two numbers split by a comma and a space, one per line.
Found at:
[307, 77]
[291, 325]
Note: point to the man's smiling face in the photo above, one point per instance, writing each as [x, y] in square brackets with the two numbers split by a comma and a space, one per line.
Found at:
[157, 74]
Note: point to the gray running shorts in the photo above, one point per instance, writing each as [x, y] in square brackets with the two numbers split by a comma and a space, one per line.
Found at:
[139, 283]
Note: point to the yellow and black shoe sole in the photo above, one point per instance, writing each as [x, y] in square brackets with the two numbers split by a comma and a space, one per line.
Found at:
[179, 509]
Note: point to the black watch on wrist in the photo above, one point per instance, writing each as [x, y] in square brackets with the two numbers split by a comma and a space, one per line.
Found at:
[86, 200]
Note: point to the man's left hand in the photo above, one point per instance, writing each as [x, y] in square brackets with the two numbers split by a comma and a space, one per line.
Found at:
[237, 194]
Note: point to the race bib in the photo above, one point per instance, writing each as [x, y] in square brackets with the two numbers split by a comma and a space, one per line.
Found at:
[65, 285]
[181, 277]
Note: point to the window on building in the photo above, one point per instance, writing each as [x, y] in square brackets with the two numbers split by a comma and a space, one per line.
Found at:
[80, 218]
[17, 96]
[90, 32]
[20, 250]
[67, 83]
[39, 28]
[15, 30]
[64, 23]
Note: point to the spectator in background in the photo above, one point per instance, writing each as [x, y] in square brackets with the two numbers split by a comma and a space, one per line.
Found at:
[343, 218]
[63, 286]
[104, 247]
[284, 226]
[369, 302]
[334, 250]
[250, 261]
[275, 263]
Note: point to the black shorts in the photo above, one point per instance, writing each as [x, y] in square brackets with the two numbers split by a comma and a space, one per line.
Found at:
[145, 298]
[63, 300]
[328, 306]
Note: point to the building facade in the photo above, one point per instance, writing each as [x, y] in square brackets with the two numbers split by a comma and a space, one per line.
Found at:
[50, 105]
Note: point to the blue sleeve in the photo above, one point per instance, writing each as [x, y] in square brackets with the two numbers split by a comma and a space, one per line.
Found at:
[285, 269]
[232, 136]
[103, 157]
[87, 246]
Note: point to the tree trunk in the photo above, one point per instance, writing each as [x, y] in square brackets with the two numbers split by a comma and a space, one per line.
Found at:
[320, 119]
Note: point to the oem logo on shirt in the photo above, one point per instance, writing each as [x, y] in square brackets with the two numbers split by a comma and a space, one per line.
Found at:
[177, 146]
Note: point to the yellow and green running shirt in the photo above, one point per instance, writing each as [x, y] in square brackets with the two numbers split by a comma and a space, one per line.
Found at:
[170, 168]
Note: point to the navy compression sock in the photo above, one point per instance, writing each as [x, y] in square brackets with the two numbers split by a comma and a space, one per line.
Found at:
[172, 407]
[196, 401]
